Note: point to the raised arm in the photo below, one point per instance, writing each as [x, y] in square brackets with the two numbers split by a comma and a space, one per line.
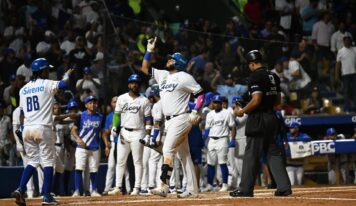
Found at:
[146, 59]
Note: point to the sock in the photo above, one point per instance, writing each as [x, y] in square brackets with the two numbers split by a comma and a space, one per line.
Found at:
[93, 176]
[26, 175]
[78, 181]
[224, 172]
[211, 174]
[47, 180]
[66, 177]
[56, 183]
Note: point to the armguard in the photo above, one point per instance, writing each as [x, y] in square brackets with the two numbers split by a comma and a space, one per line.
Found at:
[199, 102]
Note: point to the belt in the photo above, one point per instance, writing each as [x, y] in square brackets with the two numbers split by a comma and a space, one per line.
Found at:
[172, 116]
[58, 144]
[216, 138]
[129, 129]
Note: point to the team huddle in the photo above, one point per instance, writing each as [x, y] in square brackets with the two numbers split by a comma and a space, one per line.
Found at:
[165, 133]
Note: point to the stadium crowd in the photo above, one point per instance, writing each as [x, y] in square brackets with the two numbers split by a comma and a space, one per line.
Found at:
[308, 43]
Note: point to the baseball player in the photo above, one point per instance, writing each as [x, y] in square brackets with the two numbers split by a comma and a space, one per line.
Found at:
[219, 126]
[88, 145]
[176, 86]
[61, 131]
[134, 112]
[36, 99]
[70, 145]
[113, 150]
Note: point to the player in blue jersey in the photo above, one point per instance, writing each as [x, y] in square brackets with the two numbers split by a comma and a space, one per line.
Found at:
[88, 140]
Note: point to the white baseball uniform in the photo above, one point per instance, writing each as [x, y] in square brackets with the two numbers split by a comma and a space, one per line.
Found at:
[175, 91]
[219, 124]
[133, 112]
[36, 101]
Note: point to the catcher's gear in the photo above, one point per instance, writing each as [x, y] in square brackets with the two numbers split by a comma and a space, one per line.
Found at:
[253, 56]
[180, 62]
[40, 64]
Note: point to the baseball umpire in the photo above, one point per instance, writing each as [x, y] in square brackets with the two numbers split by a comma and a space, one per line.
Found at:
[176, 86]
[261, 129]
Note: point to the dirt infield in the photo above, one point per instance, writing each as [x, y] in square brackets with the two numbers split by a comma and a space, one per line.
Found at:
[306, 196]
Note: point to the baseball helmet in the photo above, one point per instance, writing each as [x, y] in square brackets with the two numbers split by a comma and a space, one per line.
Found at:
[89, 98]
[253, 56]
[155, 90]
[134, 78]
[330, 131]
[294, 125]
[208, 97]
[40, 64]
[238, 100]
[73, 103]
[180, 62]
[217, 98]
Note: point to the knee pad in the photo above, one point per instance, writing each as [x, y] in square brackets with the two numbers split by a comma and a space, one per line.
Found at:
[166, 173]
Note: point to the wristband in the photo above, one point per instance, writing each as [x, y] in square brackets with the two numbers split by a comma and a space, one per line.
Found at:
[147, 56]
[148, 127]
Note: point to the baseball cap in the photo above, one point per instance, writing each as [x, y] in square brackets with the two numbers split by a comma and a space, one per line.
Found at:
[282, 59]
[49, 33]
[72, 104]
[294, 125]
[330, 131]
[208, 97]
[217, 98]
[89, 98]
[99, 56]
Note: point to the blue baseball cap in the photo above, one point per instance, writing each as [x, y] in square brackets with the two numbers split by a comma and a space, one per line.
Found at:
[237, 98]
[72, 104]
[89, 98]
[217, 98]
[294, 125]
[330, 131]
[87, 70]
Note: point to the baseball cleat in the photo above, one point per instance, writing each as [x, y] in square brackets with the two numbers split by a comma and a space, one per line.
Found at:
[187, 194]
[94, 193]
[285, 193]
[49, 200]
[135, 191]
[76, 194]
[20, 198]
[237, 193]
[208, 188]
[116, 191]
[224, 188]
[161, 191]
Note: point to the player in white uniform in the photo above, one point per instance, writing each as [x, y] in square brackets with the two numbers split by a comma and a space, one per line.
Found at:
[134, 113]
[176, 86]
[219, 128]
[36, 100]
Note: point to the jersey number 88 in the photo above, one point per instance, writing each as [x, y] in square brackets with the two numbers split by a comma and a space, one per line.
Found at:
[32, 103]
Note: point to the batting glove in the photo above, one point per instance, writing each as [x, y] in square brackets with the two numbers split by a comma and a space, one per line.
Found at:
[151, 44]
[147, 139]
[194, 117]
[232, 143]
[114, 131]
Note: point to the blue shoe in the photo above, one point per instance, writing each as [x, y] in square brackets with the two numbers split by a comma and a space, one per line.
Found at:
[20, 197]
[49, 200]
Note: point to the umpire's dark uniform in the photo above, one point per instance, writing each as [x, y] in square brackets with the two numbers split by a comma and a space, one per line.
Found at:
[261, 131]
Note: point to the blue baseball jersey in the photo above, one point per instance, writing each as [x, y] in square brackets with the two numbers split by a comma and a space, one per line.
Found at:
[108, 123]
[89, 129]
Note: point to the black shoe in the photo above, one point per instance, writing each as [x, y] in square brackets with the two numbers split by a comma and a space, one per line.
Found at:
[237, 193]
[20, 197]
[271, 186]
[284, 193]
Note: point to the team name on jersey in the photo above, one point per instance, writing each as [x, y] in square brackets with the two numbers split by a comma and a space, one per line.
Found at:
[89, 123]
[218, 123]
[131, 109]
[168, 87]
[27, 90]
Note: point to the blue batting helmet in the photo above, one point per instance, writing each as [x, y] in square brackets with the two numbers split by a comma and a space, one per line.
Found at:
[40, 64]
[180, 62]
[134, 78]
[155, 90]
[72, 104]
[330, 131]
[217, 98]
[208, 97]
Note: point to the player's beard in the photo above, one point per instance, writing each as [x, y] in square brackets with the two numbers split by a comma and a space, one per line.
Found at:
[170, 68]
[134, 91]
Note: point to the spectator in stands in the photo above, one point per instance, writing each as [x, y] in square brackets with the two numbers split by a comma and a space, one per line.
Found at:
[337, 163]
[304, 55]
[8, 65]
[346, 62]
[88, 85]
[278, 69]
[285, 9]
[5, 133]
[313, 104]
[309, 14]
[295, 167]
[337, 38]
[253, 10]
[198, 62]
[44, 46]
[25, 69]
[68, 43]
